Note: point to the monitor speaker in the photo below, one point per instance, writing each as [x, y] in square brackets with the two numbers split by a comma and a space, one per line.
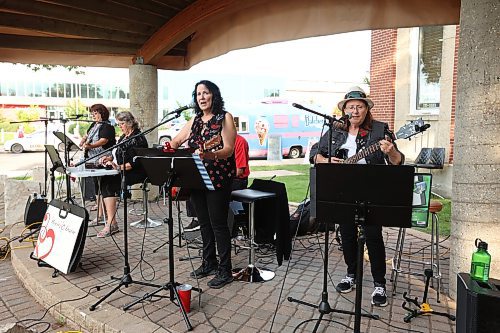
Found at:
[36, 206]
[478, 305]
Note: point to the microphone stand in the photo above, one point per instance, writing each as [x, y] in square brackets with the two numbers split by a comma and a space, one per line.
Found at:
[45, 120]
[126, 278]
[324, 306]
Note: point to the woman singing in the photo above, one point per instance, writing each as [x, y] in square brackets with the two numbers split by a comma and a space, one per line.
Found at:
[212, 121]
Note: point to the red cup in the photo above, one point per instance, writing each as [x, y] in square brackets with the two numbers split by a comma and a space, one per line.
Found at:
[184, 291]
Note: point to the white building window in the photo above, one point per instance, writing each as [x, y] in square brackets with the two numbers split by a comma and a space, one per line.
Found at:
[426, 48]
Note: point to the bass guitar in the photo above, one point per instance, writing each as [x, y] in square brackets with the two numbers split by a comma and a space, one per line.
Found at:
[407, 131]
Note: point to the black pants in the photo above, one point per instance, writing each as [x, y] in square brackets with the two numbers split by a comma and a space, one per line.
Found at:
[239, 184]
[376, 250]
[212, 208]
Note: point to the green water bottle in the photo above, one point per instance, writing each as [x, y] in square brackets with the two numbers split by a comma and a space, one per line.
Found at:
[481, 259]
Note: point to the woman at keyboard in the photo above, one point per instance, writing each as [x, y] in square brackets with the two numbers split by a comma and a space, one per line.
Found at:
[123, 161]
[100, 136]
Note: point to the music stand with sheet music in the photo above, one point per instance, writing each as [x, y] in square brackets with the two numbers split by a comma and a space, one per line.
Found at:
[361, 195]
[57, 165]
[69, 145]
[180, 168]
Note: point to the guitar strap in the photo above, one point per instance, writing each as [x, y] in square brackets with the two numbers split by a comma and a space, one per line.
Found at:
[378, 131]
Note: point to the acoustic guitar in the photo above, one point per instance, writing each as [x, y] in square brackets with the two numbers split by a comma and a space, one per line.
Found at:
[407, 131]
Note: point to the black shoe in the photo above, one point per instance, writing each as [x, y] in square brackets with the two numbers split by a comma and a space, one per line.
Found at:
[379, 295]
[346, 285]
[193, 226]
[205, 269]
[221, 279]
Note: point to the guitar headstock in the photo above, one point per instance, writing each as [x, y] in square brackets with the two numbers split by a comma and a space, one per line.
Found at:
[412, 128]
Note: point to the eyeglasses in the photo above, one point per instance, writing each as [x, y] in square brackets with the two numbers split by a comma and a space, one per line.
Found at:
[355, 94]
[355, 107]
[94, 111]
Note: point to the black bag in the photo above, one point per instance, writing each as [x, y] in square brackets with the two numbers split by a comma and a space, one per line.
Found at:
[302, 218]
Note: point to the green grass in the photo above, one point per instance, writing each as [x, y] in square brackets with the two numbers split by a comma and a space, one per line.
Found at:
[296, 187]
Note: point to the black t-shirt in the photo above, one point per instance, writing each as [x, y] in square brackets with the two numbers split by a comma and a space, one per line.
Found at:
[107, 131]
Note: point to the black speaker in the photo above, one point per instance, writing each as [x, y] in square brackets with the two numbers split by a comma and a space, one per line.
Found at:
[88, 188]
[478, 305]
[36, 206]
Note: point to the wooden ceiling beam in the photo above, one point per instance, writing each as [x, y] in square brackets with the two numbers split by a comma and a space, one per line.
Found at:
[151, 6]
[111, 9]
[42, 24]
[186, 23]
[74, 15]
[178, 5]
[66, 44]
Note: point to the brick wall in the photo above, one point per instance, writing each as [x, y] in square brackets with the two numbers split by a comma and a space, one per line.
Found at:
[454, 96]
[383, 74]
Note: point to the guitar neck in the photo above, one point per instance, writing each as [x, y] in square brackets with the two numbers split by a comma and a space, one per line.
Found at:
[362, 153]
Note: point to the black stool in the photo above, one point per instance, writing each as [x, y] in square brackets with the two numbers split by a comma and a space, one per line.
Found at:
[251, 273]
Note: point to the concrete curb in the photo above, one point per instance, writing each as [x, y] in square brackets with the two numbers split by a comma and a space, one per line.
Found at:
[57, 293]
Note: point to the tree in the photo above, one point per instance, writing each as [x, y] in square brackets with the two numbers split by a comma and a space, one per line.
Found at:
[31, 113]
[74, 107]
[37, 67]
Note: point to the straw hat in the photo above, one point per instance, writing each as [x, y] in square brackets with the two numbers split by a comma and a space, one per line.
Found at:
[355, 93]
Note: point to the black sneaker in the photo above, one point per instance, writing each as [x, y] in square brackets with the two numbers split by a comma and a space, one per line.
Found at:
[220, 279]
[204, 270]
[346, 285]
[193, 226]
[379, 296]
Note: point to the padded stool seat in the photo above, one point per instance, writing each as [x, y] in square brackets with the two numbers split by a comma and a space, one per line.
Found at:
[435, 207]
[249, 196]
[251, 273]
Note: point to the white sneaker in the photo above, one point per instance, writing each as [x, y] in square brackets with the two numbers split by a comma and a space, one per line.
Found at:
[346, 285]
[379, 297]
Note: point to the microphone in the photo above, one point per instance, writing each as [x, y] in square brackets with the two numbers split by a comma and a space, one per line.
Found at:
[182, 108]
[345, 118]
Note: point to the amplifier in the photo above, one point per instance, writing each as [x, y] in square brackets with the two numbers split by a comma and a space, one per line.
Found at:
[36, 206]
[478, 305]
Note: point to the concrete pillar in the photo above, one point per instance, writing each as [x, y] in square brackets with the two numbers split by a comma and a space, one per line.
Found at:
[144, 97]
[17, 193]
[476, 179]
[144, 103]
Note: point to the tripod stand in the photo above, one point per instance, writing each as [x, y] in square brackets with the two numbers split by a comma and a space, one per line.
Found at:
[172, 169]
[349, 205]
[424, 308]
[126, 278]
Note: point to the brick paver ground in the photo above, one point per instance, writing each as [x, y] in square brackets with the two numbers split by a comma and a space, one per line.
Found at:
[238, 307]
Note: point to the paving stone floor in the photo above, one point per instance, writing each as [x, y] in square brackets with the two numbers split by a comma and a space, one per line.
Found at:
[239, 306]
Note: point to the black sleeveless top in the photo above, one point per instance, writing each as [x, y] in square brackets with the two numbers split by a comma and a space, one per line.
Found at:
[221, 171]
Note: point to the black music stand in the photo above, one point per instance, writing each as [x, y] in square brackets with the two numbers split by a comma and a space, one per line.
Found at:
[363, 195]
[182, 169]
[69, 145]
[57, 165]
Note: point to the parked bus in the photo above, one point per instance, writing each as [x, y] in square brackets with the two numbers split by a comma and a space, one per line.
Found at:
[276, 117]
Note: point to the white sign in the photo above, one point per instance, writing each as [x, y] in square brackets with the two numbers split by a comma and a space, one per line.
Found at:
[57, 238]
